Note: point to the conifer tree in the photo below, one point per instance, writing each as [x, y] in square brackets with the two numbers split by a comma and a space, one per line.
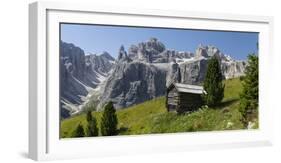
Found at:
[92, 129]
[109, 121]
[213, 83]
[79, 131]
[89, 116]
[250, 93]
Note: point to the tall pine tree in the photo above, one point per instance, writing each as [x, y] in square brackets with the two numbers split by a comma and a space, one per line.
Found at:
[92, 129]
[109, 121]
[250, 93]
[213, 83]
[78, 132]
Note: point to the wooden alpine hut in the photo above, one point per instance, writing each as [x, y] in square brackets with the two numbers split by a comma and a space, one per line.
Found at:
[184, 97]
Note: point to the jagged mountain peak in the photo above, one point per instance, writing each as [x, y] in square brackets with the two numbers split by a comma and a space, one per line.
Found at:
[153, 39]
[153, 44]
[154, 51]
[209, 51]
[122, 55]
[146, 51]
[106, 55]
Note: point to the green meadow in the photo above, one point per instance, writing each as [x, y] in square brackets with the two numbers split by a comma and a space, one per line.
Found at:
[152, 117]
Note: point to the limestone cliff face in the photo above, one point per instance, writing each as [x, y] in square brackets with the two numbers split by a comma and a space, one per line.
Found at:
[79, 74]
[193, 72]
[230, 68]
[133, 83]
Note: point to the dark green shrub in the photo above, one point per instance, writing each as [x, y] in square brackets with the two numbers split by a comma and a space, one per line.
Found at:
[78, 132]
[109, 121]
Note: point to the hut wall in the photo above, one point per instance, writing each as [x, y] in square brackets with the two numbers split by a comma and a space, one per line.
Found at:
[189, 102]
[172, 99]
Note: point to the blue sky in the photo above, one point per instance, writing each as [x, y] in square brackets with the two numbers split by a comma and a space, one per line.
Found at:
[98, 38]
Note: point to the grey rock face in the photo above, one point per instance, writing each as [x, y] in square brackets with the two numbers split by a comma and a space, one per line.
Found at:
[133, 52]
[172, 56]
[122, 55]
[146, 51]
[173, 74]
[230, 68]
[154, 51]
[100, 64]
[133, 83]
[106, 56]
[201, 52]
[233, 69]
[209, 51]
[73, 59]
[184, 55]
[79, 74]
[72, 68]
[193, 72]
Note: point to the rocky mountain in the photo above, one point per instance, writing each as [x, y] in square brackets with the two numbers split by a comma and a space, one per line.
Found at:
[122, 55]
[154, 51]
[230, 68]
[132, 83]
[140, 74]
[99, 64]
[80, 74]
[149, 68]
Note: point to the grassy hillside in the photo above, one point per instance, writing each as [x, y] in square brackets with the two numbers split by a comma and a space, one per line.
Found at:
[152, 117]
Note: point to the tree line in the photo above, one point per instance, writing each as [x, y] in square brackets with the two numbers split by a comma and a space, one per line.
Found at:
[213, 85]
[108, 124]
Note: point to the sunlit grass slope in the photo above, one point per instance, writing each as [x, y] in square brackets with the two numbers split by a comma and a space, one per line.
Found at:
[152, 117]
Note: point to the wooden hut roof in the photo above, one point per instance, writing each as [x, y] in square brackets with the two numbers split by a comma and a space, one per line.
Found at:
[187, 88]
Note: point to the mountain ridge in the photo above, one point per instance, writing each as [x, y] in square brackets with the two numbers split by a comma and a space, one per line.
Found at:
[143, 72]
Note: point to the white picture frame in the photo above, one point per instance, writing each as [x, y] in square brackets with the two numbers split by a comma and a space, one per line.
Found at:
[44, 141]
